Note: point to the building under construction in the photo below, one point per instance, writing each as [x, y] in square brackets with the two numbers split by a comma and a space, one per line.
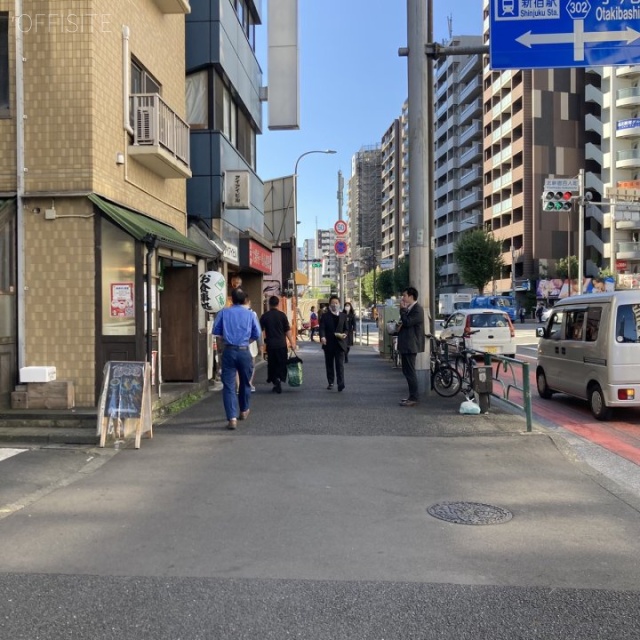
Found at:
[364, 210]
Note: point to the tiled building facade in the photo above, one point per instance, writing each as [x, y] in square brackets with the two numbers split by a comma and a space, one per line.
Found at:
[100, 225]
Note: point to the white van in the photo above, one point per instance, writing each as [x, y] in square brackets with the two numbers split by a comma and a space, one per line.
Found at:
[590, 349]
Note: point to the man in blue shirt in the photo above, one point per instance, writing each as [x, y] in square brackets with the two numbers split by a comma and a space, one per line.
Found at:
[238, 327]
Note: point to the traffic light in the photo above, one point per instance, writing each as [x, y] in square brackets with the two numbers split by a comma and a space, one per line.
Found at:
[558, 200]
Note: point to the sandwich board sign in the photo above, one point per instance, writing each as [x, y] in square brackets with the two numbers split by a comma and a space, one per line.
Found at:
[125, 403]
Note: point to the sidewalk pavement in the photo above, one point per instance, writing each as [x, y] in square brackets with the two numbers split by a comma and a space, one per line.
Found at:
[321, 517]
[367, 407]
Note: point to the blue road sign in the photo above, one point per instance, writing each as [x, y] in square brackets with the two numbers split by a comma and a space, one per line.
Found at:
[547, 34]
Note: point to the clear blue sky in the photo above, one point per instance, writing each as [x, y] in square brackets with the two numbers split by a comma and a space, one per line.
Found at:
[352, 86]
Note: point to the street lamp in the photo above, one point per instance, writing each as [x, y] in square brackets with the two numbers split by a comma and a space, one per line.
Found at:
[295, 201]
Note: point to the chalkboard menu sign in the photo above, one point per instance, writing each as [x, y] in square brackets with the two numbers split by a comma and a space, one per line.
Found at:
[125, 402]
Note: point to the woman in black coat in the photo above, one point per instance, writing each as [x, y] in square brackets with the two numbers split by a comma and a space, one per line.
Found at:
[351, 328]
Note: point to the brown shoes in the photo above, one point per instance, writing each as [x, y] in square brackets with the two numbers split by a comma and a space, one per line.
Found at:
[233, 424]
[408, 403]
[244, 414]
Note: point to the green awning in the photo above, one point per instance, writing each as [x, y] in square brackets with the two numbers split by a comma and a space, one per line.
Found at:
[141, 227]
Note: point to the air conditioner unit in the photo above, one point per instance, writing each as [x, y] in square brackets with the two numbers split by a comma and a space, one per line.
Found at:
[144, 126]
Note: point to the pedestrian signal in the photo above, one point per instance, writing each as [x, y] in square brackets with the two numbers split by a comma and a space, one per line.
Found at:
[558, 201]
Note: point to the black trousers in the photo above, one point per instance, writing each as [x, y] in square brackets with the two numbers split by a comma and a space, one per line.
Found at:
[409, 372]
[334, 363]
[276, 364]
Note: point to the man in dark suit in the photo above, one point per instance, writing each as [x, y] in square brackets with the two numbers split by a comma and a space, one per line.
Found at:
[410, 341]
[333, 334]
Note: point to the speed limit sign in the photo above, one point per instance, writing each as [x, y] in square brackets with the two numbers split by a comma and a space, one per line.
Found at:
[340, 227]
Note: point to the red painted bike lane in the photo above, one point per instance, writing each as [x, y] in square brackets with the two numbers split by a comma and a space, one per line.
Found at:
[620, 435]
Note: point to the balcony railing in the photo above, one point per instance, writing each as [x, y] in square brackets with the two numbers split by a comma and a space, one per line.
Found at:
[629, 250]
[628, 159]
[160, 136]
[628, 97]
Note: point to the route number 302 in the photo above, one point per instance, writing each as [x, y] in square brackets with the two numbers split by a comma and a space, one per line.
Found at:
[578, 10]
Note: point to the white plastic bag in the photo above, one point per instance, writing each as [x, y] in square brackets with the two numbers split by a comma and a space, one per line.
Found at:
[469, 407]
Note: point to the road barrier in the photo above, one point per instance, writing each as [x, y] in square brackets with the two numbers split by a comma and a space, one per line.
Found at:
[504, 373]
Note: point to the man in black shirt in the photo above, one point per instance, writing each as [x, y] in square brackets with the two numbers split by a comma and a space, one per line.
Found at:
[277, 331]
[333, 334]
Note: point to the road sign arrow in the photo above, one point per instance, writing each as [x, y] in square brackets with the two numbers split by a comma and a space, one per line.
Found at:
[629, 35]
[529, 38]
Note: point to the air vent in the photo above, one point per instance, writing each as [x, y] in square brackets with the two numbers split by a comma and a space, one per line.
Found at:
[144, 126]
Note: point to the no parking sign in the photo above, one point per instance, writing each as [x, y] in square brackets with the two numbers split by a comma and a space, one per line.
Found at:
[340, 247]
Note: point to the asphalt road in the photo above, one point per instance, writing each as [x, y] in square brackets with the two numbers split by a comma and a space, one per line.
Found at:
[311, 522]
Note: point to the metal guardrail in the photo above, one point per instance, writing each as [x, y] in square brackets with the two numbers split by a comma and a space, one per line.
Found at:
[503, 365]
[509, 383]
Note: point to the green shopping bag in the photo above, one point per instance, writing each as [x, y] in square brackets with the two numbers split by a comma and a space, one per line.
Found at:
[294, 369]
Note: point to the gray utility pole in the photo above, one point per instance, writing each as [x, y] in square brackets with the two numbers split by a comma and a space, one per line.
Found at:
[581, 213]
[420, 88]
[421, 51]
[340, 259]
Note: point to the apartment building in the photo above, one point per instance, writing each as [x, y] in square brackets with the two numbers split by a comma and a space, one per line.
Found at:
[93, 182]
[534, 128]
[612, 157]
[395, 191]
[458, 134]
[325, 243]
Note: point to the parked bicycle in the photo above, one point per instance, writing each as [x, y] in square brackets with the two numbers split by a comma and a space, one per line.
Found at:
[465, 362]
[444, 378]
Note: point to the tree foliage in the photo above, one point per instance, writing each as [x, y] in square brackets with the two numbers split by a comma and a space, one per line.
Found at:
[385, 284]
[389, 283]
[561, 267]
[367, 287]
[401, 275]
[479, 258]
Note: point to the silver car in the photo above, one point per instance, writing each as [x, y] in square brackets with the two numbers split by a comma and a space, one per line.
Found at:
[484, 330]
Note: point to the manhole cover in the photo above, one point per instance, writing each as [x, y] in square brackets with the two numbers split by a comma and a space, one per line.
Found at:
[469, 513]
